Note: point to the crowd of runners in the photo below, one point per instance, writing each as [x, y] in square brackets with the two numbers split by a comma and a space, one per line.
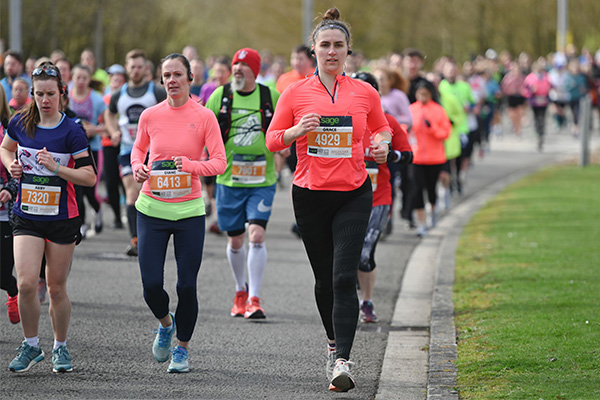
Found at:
[199, 145]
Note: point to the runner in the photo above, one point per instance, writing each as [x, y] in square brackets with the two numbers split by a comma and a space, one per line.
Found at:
[8, 193]
[328, 115]
[175, 132]
[382, 202]
[88, 106]
[88, 58]
[431, 127]
[536, 88]
[48, 152]
[128, 103]
[110, 151]
[245, 191]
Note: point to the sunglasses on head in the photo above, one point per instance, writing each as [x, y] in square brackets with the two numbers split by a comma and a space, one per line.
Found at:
[45, 70]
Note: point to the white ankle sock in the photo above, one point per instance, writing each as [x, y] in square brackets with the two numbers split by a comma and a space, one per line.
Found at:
[57, 344]
[33, 341]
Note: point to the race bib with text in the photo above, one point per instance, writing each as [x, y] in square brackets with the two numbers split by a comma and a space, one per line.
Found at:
[332, 139]
[248, 169]
[373, 171]
[168, 183]
[40, 195]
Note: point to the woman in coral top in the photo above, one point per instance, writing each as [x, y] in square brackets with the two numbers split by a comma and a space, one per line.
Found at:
[430, 127]
[328, 116]
[170, 203]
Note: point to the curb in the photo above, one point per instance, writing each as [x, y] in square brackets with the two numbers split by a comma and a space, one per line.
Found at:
[420, 358]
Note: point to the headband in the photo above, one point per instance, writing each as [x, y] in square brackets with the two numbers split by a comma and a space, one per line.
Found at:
[333, 26]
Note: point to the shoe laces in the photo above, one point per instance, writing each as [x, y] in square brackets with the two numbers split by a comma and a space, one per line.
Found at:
[164, 338]
[343, 366]
[179, 354]
[61, 354]
[25, 351]
[254, 302]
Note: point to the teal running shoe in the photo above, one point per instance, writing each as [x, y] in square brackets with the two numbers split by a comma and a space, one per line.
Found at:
[61, 360]
[179, 361]
[28, 356]
[162, 342]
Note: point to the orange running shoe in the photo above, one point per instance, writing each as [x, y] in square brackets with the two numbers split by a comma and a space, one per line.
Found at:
[253, 309]
[239, 303]
[13, 309]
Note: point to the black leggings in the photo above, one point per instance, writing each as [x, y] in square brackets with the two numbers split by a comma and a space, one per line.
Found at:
[7, 261]
[424, 177]
[112, 179]
[539, 115]
[333, 226]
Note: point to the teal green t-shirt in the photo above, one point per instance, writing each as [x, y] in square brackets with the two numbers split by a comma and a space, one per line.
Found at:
[249, 162]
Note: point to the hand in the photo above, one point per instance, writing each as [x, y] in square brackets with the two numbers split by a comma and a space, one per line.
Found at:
[16, 169]
[5, 196]
[379, 152]
[464, 140]
[309, 123]
[178, 163]
[142, 174]
[44, 157]
[115, 137]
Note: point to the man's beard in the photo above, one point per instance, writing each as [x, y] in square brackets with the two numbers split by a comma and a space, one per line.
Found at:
[238, 83]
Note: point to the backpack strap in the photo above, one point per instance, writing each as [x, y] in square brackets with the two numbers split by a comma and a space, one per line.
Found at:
[224, 116]
[266, 106]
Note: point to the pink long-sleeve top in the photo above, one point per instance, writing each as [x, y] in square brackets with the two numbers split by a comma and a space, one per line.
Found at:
[179, 131]
[430, 126]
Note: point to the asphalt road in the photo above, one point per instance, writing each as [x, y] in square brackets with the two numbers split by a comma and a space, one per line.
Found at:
[282, 357]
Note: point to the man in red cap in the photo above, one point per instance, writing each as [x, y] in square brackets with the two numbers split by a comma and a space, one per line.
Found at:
[245, 191]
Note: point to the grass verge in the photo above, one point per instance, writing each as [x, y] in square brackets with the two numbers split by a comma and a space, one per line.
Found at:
[527, 291]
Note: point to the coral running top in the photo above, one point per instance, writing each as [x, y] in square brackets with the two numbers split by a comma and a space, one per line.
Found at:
[177, 131]
[332, 157]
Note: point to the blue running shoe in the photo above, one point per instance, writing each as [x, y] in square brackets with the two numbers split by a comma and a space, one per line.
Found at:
[61, 360]
[28, 356]
[179, 361]
[162, 342]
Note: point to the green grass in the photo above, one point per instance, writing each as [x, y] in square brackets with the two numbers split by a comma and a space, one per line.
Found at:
[527, 291]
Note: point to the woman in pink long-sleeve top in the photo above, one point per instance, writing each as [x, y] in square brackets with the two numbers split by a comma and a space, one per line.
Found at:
[170, 203]
[430, 127]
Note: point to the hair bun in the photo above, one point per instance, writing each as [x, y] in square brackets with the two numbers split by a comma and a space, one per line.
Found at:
[332, 13]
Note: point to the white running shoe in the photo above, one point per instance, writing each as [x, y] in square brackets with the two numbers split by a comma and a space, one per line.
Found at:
[342, 378]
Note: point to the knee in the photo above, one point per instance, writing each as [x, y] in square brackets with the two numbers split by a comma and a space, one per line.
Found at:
[236, 242]
[366, 265]
[186, 291]
[322, 286]
[256, 233]
[56, 290]
[27, 287]
[345, 282]
[257, 237]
